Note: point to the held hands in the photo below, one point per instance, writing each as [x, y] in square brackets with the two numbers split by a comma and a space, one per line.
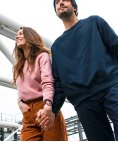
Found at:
[45, 117]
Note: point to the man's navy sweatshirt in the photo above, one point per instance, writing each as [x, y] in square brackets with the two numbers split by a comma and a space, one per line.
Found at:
[84, 61]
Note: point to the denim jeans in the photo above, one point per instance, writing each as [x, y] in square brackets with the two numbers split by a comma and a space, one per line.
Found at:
[94, 112]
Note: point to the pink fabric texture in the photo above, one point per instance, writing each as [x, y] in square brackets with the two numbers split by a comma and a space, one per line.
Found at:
[37, 83]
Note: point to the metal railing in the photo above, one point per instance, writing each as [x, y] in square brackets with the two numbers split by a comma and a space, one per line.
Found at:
[6, 117]
[12, 134]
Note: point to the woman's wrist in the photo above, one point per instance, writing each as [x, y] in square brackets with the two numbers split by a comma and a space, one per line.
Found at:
[47, 102]
[47, 107]
[19, 101]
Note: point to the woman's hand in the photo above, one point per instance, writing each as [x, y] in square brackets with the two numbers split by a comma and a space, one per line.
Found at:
[45, 117]
[23, 107]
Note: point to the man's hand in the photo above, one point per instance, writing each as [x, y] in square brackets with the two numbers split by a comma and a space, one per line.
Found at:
[45, 117]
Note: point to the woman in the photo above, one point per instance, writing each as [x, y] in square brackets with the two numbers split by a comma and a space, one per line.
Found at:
[34, 81]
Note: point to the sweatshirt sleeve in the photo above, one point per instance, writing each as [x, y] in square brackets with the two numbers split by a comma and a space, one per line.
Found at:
[109, 37]
[59, 96]
[47, 81]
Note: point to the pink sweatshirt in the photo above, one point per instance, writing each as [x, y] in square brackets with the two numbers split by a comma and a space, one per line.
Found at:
[37, 83]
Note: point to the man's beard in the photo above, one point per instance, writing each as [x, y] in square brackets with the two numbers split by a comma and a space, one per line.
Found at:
[65, 14]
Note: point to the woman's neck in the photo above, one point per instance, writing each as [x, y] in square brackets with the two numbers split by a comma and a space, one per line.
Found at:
[26, 52]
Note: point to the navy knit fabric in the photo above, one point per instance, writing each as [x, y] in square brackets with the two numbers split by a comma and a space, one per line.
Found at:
[84, 61]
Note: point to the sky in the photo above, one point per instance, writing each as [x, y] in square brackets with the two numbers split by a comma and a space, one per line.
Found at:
[40, 15]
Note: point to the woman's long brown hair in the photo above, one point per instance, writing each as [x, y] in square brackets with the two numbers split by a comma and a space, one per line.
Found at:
[35, 44]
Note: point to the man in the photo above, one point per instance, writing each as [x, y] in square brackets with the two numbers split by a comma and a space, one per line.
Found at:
[85, 70]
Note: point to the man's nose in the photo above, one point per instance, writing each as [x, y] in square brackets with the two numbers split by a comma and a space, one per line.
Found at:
[61, 3]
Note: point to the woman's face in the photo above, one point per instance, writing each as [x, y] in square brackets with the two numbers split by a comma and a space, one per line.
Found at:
[20, 40]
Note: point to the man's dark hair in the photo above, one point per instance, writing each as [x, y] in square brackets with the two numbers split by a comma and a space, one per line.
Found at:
[73, 3]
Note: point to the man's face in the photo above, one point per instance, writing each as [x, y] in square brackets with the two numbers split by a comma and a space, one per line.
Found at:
[64, 8]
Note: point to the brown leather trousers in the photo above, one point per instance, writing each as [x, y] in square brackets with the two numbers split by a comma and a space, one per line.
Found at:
[31, 131]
